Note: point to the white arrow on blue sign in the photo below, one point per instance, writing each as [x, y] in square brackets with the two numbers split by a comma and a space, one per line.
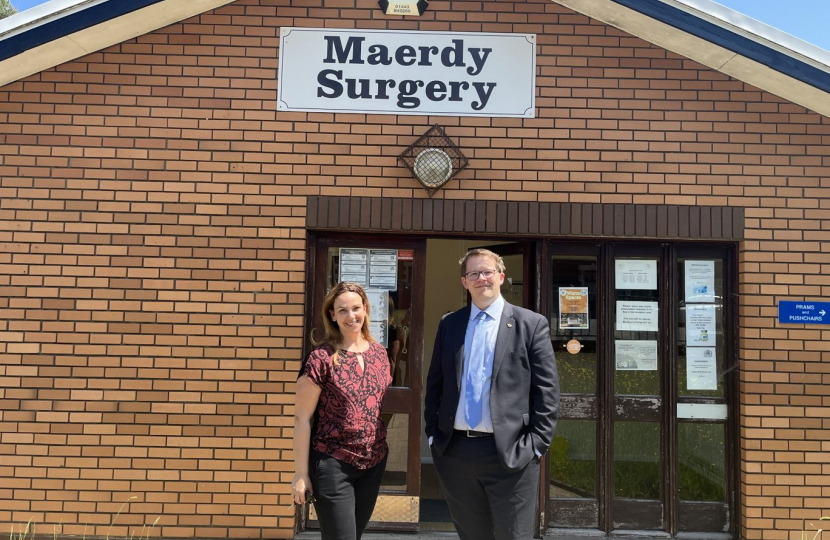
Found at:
[803, 312]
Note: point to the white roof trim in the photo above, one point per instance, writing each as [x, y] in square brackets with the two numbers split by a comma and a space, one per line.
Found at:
[42, 14]
[755, 30]
[98, 37]
[703, 52]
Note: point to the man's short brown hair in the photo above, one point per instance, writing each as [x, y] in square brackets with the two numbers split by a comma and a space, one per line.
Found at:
[481, 252]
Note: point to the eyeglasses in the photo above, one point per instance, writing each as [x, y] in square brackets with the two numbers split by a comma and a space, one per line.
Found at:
[486, 274]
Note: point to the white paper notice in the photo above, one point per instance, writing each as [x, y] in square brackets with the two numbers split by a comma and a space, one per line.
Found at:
[383, 269]
[635, 274]
[636, 355]
[700, 368]
[637, 316]
[700, 281]
[700, 325]
[378, 319]
[354, 265]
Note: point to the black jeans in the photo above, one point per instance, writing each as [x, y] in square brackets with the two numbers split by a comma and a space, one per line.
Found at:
[345, 496]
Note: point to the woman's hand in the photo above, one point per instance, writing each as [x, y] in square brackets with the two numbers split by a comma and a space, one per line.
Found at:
[299, 486]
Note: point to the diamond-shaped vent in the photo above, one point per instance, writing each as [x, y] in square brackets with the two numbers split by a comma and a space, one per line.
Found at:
[433, 159]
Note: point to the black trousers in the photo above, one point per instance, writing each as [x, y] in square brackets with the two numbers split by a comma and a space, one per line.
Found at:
[486, 501]
[344, 496]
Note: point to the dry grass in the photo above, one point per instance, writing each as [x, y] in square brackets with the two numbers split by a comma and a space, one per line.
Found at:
[28, 532]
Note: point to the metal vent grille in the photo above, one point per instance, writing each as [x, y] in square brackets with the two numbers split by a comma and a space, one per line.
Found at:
[433, 159]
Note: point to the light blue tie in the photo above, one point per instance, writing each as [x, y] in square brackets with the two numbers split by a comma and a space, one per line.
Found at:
[475, 372]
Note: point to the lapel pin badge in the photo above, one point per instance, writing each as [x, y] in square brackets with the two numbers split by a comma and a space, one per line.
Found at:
[510, 325]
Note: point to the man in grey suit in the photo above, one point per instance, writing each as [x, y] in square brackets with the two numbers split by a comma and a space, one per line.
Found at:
[491, 403]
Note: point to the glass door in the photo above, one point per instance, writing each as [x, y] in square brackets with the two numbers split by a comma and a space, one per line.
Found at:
[392, 273]
[647, 434]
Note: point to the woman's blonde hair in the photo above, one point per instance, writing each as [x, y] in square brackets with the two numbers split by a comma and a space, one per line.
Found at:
[331, 332]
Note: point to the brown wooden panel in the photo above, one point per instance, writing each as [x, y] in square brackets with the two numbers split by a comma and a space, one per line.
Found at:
[512, 217]
[587, 219]
[396, 215]
[565, 218]
[630, 220]
[694, 222]
[597, 211]
[703, 516]
[672, 218]
[717, 222]
[501, 217]
[683, 217]
[491, 217]
[705, 222]
[738, 222]
[637, 515]
[644, 409]
[576, 219]
[428, 219]
[607, 220]
[553, 219]
[469, 216]
[418, 215]
[312, 212]
[578, 407]
[480, 216]
[533, 224]
[375, 212]
[727, 221]
[525, 218]
[662, 223]
[651, 221]
[640, 213]
[573, 513]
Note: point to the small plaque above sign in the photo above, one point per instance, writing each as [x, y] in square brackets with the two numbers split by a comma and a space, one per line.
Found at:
[803, 312]
[400, 72]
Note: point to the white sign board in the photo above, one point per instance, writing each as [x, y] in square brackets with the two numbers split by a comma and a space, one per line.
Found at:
[700, 281]
[700, 325]
[637, 316]
[400, 72]
[379, 320]
[635, 274]
[635, 355]
[701, 371]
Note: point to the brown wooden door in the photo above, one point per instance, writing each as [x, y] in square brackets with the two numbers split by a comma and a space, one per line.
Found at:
[647, 432]
[393, 271]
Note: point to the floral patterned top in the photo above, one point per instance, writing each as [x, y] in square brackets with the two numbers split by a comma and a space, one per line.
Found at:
[349, 427]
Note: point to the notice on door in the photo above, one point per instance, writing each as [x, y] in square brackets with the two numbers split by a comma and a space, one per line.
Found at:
[701, 371]
[637, 316]
[700, 325]
[700, 281]
[573, 308]
[635, 355]
[635, 274]
[354, 265]
[379, 318]
[373, 268]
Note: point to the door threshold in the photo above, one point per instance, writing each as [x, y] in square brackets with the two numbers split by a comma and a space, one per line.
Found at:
[552, 535]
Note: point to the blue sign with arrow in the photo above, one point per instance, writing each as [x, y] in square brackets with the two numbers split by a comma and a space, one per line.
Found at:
[803, 312]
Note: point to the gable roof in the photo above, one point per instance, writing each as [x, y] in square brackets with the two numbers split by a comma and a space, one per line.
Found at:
[715, 36]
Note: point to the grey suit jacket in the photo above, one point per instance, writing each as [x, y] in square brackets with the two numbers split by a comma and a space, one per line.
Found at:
[524, 394]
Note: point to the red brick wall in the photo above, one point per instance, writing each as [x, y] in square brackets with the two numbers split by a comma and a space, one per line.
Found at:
[152, 250]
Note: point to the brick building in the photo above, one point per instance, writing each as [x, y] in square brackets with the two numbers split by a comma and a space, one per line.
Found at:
[166, 231]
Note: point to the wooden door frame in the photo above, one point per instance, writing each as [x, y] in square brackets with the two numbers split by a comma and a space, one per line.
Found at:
[398, 399]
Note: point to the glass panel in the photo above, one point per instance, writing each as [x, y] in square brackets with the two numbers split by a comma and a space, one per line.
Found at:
[573, 460]
[399, 316]
[637, 460]
[636, 327]
[700, 348]
[568, 322]
[397, 437]
[513, 285]
[701, 456]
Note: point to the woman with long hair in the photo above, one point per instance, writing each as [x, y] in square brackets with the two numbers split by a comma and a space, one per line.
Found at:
[339, 439]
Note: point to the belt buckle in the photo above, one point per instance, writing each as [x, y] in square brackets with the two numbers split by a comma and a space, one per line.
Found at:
[472, 434]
